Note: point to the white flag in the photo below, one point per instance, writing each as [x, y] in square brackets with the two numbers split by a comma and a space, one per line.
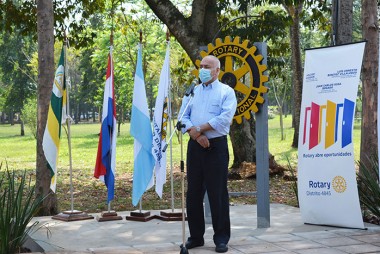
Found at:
[160, 120]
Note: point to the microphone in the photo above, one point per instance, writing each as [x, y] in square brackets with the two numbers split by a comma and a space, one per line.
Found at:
[190, 89]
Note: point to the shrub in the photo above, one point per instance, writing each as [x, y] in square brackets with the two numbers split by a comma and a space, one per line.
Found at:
[294, 179]
[368, 186]
[18, 205]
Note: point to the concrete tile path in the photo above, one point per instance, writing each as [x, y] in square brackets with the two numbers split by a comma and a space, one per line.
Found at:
[287, 234]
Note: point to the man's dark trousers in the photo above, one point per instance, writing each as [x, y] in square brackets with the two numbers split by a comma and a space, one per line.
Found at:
[207, 170]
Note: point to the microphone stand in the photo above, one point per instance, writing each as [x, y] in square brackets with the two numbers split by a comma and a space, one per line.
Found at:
[179, 126]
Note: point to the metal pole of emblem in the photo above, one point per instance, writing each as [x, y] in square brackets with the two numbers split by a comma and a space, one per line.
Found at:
[262, 154]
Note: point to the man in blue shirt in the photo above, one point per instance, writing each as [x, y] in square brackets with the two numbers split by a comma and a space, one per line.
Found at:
[207, 120]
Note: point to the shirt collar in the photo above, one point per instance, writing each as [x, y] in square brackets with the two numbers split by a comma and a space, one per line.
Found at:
[211, 84]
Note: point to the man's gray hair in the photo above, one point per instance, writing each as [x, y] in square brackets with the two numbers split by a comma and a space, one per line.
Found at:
[216, 59]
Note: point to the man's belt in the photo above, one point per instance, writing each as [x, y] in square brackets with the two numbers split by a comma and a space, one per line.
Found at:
[217, 139]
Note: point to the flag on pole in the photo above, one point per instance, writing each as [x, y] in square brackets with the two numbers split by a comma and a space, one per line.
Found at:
[56, 117]
[141, 130]
[106, 157]
[160, 120]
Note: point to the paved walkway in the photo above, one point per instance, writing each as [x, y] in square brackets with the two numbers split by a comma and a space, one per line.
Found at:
[287, 234]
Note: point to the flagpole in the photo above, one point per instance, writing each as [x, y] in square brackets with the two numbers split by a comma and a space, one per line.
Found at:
[110, 131]
[170, 130]
[140, 202]
[72, 215]
[68, 123]
[108, 215]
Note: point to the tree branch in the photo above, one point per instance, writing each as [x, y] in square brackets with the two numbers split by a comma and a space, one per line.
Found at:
[180, 26]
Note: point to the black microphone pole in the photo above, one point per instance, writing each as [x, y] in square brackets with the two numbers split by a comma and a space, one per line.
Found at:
[183, 245]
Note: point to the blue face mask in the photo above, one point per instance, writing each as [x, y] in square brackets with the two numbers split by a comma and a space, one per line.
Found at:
[205, 75]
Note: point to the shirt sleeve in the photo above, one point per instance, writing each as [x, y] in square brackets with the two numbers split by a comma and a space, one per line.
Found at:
[222, 122]
[185, 113]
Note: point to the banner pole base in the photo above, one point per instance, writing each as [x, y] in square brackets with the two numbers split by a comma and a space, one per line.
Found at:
[108, 216]
[72, 215]
[170, 216]
[140, 215]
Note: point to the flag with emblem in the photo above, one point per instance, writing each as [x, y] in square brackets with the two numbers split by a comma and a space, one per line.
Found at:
[160, 120]
[56, 117]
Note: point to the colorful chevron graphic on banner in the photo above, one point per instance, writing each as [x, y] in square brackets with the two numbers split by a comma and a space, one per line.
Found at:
[317, 116]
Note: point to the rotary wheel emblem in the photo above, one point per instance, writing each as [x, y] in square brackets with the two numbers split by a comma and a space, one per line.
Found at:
[241, 70]
[339, 184]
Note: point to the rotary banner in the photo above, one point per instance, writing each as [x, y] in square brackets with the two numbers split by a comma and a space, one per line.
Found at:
[327, 187]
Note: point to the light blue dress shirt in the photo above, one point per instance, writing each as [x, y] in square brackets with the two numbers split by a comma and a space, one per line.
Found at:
[215, 104]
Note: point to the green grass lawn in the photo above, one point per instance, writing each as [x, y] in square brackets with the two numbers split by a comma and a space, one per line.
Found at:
[19, 152]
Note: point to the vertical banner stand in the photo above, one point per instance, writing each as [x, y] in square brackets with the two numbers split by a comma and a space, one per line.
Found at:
[71, 215]
[109, 215]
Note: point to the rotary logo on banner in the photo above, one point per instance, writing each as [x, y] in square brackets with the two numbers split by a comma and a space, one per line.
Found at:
[327, 187]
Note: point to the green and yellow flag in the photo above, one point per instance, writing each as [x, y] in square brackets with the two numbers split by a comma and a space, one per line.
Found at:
[56, 117]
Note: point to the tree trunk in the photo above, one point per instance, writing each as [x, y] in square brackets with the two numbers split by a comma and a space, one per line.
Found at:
[295, 12]
[12, 118]
[243, 139]
[45, 28]
[280, 103]
[22, 133]
[370, 71]
[281, 123]
[344, 22]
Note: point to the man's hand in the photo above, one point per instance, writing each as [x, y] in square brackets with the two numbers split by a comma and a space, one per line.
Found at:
[203, 141]
[193, 133]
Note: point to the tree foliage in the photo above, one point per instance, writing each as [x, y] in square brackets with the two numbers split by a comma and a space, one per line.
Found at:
[18, 83]
[71, 15]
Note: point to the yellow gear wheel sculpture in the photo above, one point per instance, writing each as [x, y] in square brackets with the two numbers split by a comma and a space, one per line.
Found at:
[240, 69]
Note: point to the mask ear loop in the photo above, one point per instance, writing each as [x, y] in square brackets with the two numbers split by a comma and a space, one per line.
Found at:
[216, 73]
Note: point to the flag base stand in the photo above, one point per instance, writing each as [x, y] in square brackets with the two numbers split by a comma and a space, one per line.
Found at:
[170, 216]
[108, 216]
[140, 216]
[72, 215]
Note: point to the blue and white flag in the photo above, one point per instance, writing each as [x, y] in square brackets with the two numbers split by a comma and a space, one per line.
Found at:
[160, 120]
[141, 130]
[106, 156]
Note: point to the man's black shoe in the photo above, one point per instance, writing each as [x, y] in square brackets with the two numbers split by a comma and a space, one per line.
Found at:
[192, 244]
[221, 247]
